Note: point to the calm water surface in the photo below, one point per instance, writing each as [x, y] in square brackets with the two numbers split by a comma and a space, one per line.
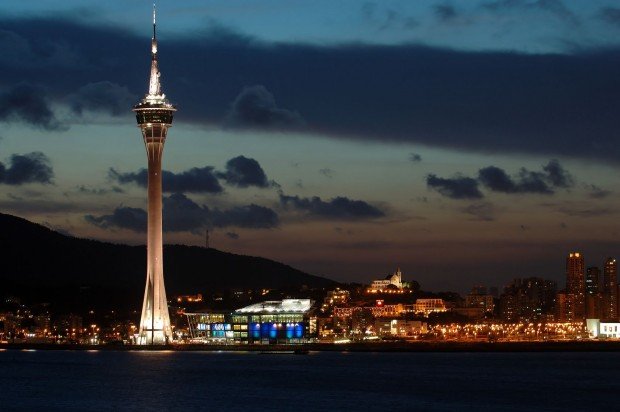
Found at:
[84, 381]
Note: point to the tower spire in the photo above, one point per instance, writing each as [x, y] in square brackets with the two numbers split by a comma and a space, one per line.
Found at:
[154, 83]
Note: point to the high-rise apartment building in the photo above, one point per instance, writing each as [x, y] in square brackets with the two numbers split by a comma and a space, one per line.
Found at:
[528, 300]
[592, 280]
[610, 290]
[594, 298]
[575, 287]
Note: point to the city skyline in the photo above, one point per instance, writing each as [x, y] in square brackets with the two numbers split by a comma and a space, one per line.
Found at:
[464, 159]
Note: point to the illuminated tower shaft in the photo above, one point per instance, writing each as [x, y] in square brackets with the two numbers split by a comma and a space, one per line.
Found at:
[154, 115]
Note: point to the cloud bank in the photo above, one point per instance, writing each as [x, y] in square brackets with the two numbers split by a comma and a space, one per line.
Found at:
[492, 102]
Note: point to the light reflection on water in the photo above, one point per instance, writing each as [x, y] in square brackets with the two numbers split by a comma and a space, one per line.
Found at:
[73, 380]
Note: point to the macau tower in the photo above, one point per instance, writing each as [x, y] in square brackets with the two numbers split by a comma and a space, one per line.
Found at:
[154, 115]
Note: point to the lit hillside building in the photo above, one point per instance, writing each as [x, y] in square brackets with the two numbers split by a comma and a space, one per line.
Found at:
[393, 282]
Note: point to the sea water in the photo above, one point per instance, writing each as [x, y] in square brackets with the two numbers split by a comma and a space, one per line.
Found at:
[225, 381]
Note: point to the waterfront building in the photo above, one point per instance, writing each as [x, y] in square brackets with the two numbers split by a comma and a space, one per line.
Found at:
[154, 115]
[610, 290]
[594, 306]
[560, 307]
[285, 321]
[335, 297]
[69, 326]
[197, 298]
[428, 306]
[594, 297]
[603, 329]
[592, 280]
[472, 313]
[478, 290]
[575, 287]
[609, 329]
[479, 298]
[42, 324]
[399, 327]
[528, 300]
[422, 307]
[380, 310]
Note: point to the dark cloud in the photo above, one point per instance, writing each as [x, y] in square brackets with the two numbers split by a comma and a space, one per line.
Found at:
[533, 182]
[194, 180]
[102, 96]
[327, 172]
[232, 235]
[255, 107]
[250, 216]
[458, 187]
[415, 157]
[181, 214]
[445, 12]
[98, 191]
[554, 7]
[244, 172]
[557, 175]
[240, 171]
[337, 208]
[483, 211]
[553, 175]
[28, 104]
[611, 15]
[579, 209]
[23, 206]
[32, 167]
[385, 19]
[131, 218]
[342, 230]
[586, 212]
[14, 197]
[596, 192]
[492, 102]
[497, 180]
[557, 8]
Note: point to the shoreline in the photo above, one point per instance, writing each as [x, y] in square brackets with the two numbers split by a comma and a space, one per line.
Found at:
[490, 347]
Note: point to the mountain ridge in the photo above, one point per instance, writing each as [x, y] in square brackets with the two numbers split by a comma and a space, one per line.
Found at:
[44, 265]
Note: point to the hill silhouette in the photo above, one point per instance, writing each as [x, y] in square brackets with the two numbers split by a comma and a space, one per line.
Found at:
[41, 265]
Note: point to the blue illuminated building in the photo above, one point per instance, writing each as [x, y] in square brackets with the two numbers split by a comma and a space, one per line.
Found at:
[286, 321]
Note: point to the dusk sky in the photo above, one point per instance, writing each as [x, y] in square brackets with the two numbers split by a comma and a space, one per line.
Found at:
[466, 142]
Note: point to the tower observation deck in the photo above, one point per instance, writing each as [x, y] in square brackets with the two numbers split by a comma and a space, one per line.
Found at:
[154, 115]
